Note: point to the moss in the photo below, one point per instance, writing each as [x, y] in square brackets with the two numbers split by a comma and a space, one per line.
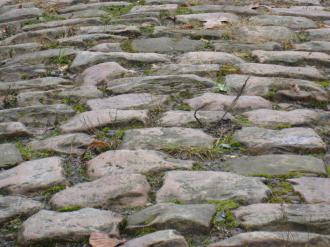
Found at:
[292, 174]
[80, 107]
[224, 218]
[61, 59]
[52, 44]
[287, 45]
[127, 46]
[283, 126]
[147, 30]
[46, 17]
[115, 11]
[271, 93]
[242, 120]
[52, 190]
[69, 208]
[184, 107]
[208, 46]
[227, 69]
[280, 191]
[198, 167]
[328, 171]
[183, 11]
[143, 231]
[29, 154]
[11, 226]
[324, 84]
[303, 36]
[202, 153]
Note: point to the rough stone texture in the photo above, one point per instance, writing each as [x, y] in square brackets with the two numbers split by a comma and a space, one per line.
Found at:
[208, 57]
[67, 144]
[203, 186]
[12, 206]
[219, 18]
[273, 239]
[34, 175]
[9, 155]
[183, 218]
[220, 102]
[101, 72]
[186, 118]
[272, 118]
[286, 21]
[315, 217]
[119, 190]
[160, 138]
[158, 239]
[313, 190]
[70, 226]
[179, 69]
[274, 164]
[134, 161]
[13, 129]
[299, 140]
[160, 84]
[95, 119]
[128, 101]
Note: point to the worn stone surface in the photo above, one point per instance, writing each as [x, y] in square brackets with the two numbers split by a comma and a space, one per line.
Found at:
[313, 190]
[13, 206]
[299, 140]
[128, 101]
[205, 57]
[95, 119]
[67, 144]
[274, 164]
[203, 186]
[34, 175]
[315, 217]
[12, 130]
[71, 226]
[161, 138]
[9, 155]
[262, 238]
[184, 218]
[158, 239]
[134, 161]
[119, 190]
[287, 21]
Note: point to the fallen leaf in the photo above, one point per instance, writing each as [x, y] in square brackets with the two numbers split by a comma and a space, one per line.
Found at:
[99, 239]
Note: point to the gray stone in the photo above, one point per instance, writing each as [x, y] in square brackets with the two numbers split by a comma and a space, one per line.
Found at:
[313, 12]
[315, 217]
[154, 8]
[87, 58]
[165, 44]
[203, 186]
[208, 57]
[219, 18]
[298, 140]
[292, 57]
[183, 218]
[118, 190]
[133, 161]
[13, 50]
[37, 115]
[9, 155]
[19, 14]
[207, 70]
[83, 93]
[12, 130]
[13, 206]
[322, 34]
[160, 84]
[284, 21]
[238, 46]
[160, 138]
[128, 101]
[107, 47]
[66, 144]
[220, 102]
[274, 119]
[313, 190]
[69, 226]
[187, 118]
[273, 239]
[31, 176]
[158, 239]
[306, 72]
[94, 119]
[274, 164]
[321, 46]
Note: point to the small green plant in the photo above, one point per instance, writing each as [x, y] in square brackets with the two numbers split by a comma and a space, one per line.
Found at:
[183, 11]
[184, 107]
[69, 208]
[46, 17]
[80, 107]
[271, 93]
[52, 190]
[283, 126]
[324, 84]
[61, 59]
[147, 30]
[113, 12]
[198, 167]
[227, 69]
[280, 191]
[11, 227]
[52, 44]
[224, 218]
[143, 231]
[242, 120]
[127, 46]
[29, 154]
[291, 174]
[328, 171]
[303, 36]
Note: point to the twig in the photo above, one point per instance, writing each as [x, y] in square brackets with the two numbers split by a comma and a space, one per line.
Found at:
[233, 103]
[195, 114]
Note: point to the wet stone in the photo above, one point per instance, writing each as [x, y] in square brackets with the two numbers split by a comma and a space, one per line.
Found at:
[66, 144]
[315, 217]
[203, 186]
[9, 155]
[194, 218]
[32, 176]
[70, 226]
[118, 191]
[313, 190]
[128, 101]
[161, 138]
[13, 206]
[274, 164]
[134, 161]
[297, 140]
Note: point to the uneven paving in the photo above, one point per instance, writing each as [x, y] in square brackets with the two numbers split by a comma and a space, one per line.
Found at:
[165, 122]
